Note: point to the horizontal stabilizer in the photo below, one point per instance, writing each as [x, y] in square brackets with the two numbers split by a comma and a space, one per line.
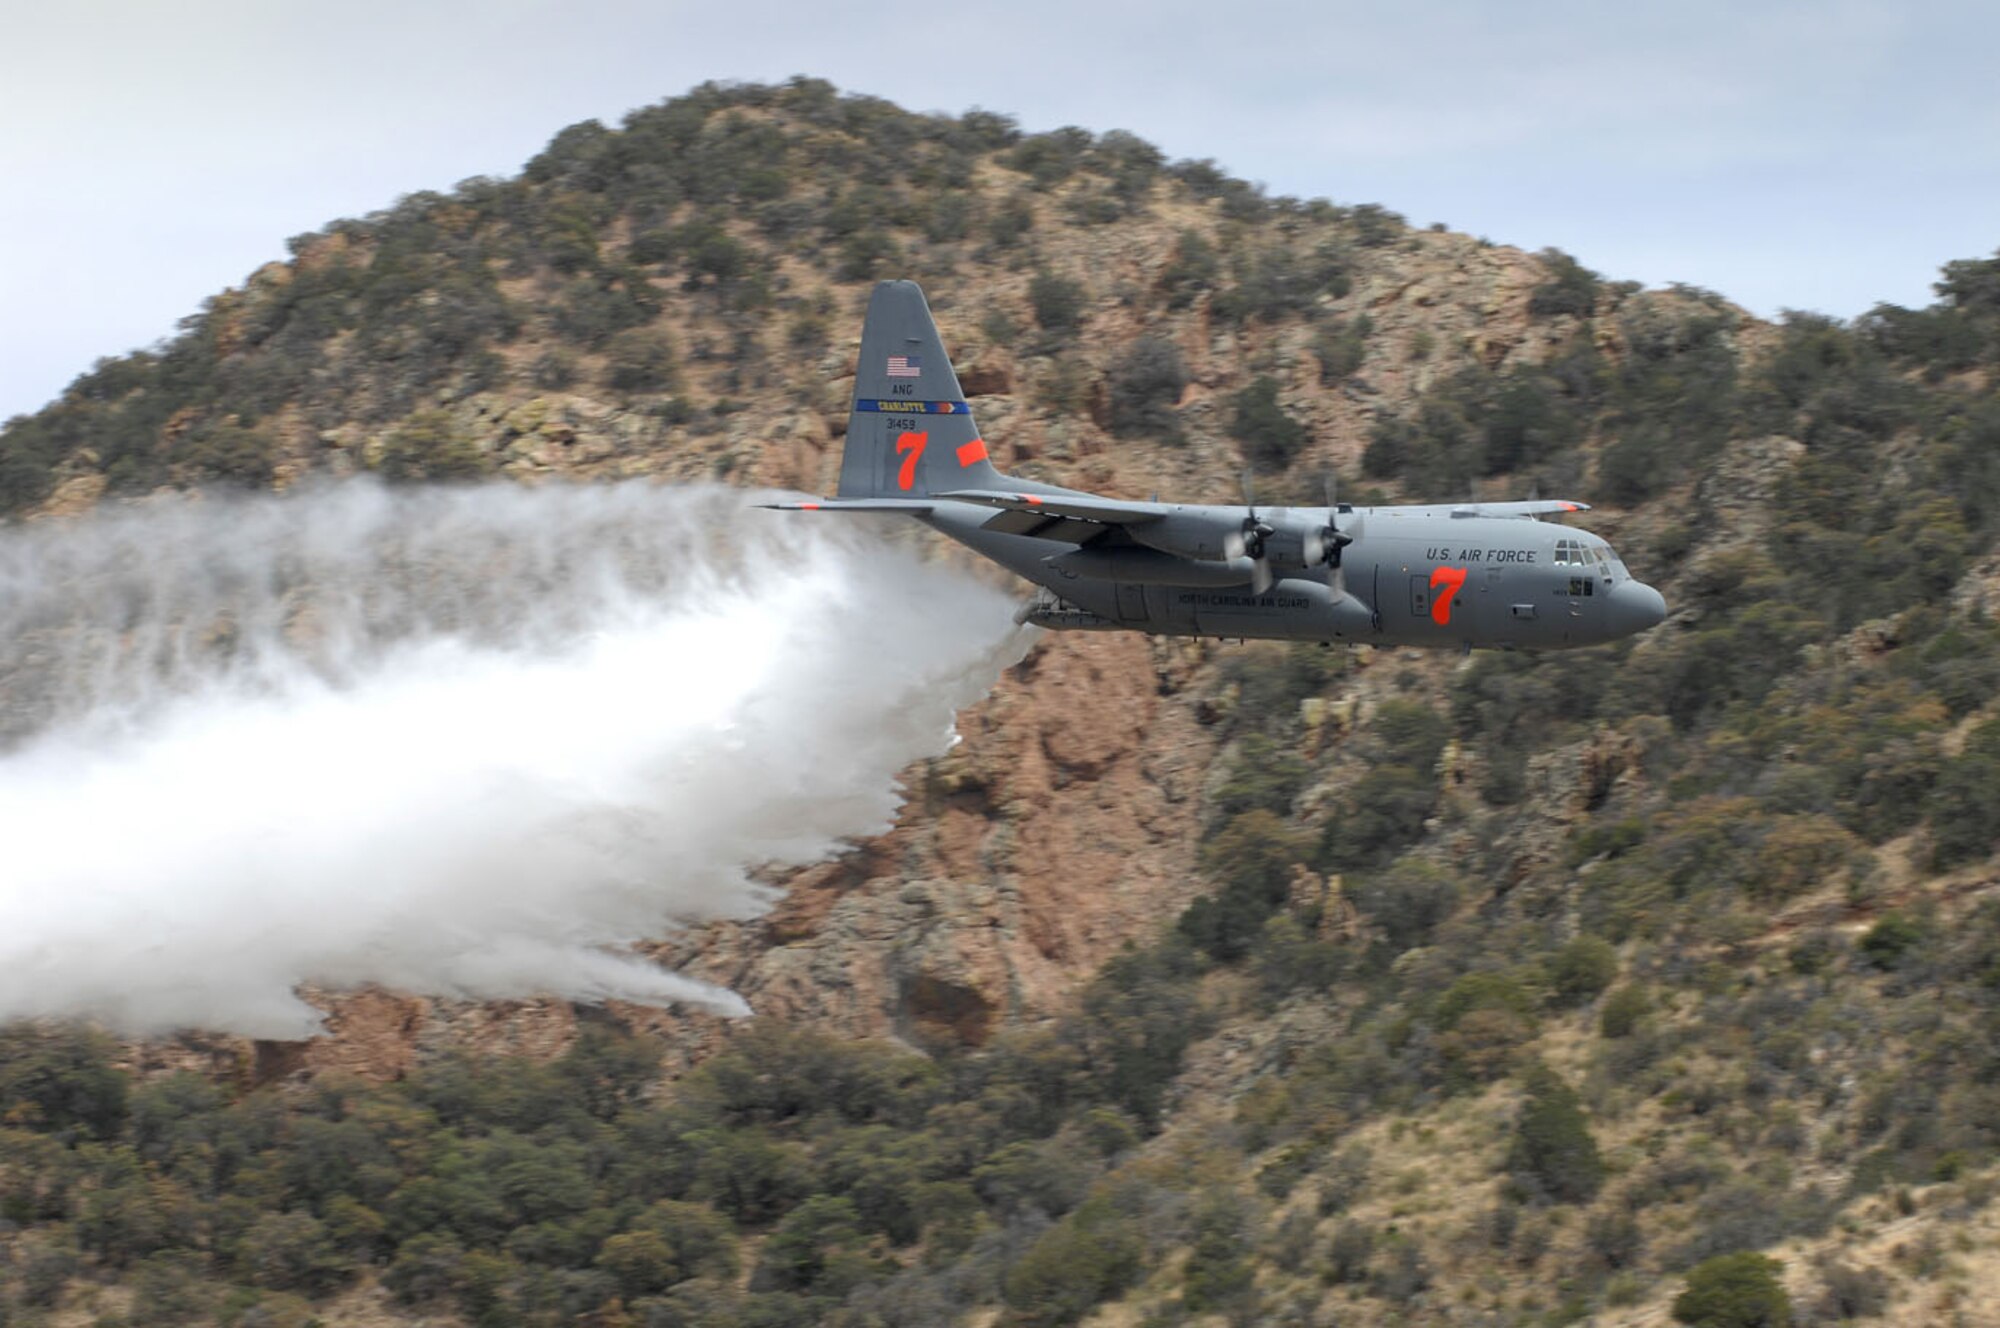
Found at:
[907, 506]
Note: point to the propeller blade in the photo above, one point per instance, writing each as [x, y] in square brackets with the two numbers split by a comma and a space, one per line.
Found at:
[1260, 577]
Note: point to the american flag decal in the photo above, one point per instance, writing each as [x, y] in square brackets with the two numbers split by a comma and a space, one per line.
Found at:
[906, 366]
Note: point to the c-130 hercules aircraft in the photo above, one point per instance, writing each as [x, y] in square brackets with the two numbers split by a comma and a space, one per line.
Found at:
[1454, 576]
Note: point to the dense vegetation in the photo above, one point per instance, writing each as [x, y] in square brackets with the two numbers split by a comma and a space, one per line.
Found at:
[784, 1179]
[1573, 983]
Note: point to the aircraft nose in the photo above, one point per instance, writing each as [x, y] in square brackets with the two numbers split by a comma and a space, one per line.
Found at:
[1636, 606]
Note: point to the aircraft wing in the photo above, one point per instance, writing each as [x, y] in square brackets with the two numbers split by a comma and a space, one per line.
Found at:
[1530, 507]
[1073, 507]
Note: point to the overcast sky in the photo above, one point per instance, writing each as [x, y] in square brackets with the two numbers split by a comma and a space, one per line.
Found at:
[1821, 155]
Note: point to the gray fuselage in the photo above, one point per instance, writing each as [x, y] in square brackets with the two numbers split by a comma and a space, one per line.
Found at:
[1410, 579]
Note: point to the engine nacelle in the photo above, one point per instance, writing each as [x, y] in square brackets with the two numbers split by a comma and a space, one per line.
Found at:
[1188, 535]
[1294, 539]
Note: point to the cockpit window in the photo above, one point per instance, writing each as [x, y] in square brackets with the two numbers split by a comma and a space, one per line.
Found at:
[1569, 553]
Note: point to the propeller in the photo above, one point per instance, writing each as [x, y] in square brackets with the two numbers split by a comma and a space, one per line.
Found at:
[1326, 543]
[1249, 542]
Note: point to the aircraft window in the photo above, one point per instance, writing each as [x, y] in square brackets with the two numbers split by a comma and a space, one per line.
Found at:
[1569, 553]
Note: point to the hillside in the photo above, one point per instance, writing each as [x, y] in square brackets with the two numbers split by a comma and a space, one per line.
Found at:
[1265, 984]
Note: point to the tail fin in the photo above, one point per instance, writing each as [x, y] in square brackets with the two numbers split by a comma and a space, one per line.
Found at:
[910, 432]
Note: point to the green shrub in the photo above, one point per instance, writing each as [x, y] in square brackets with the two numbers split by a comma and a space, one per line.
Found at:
[1734, 1291]
[817, 1247]
[429, 445]
[1252, 858]
[1376, 226]
[639, 359]
[1145, 385]
[228, 452]
[1571, 288]
[1340, 347]
[1891, 939]
[1553, 1153]
[1057, 301]
[1581, 970]
[170, 1289]
[1218, 1273]
[1348, 1252]
[1407, 902]
[291, 1252]
[1264, 775]
[1192, 269]
[1964, 807]
[1090, 1256]
[1269, 437]
[1852, 1293]
[1624, 1010]
[61, 1081]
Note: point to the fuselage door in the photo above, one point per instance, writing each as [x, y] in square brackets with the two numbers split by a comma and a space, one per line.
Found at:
[1131, 603]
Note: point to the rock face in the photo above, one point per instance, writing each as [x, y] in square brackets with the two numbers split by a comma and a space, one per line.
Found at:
[1057, 830]
[1064, 825]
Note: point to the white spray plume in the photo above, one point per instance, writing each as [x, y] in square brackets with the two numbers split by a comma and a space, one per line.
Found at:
[463, 742]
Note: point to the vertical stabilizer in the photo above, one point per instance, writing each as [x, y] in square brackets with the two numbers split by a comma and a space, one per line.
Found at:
[910, 432]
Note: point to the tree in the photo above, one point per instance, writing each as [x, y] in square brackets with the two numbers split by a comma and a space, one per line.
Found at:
[1582, 969]
[1252, 857]
[291, 1252]
[1192, 270]
[61, 1081]
[430, 446]
[1890, 939]
[671, 1243]
[1088, 1257]
[1623, 1011]
[1553, 1152]
[1145, 386]
[1270, 438]
[1341, 346]
[1058, 302]
[1407, 902]
[1735, 1291]
[817, 1247]
[639, 359]
[1570, 289]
